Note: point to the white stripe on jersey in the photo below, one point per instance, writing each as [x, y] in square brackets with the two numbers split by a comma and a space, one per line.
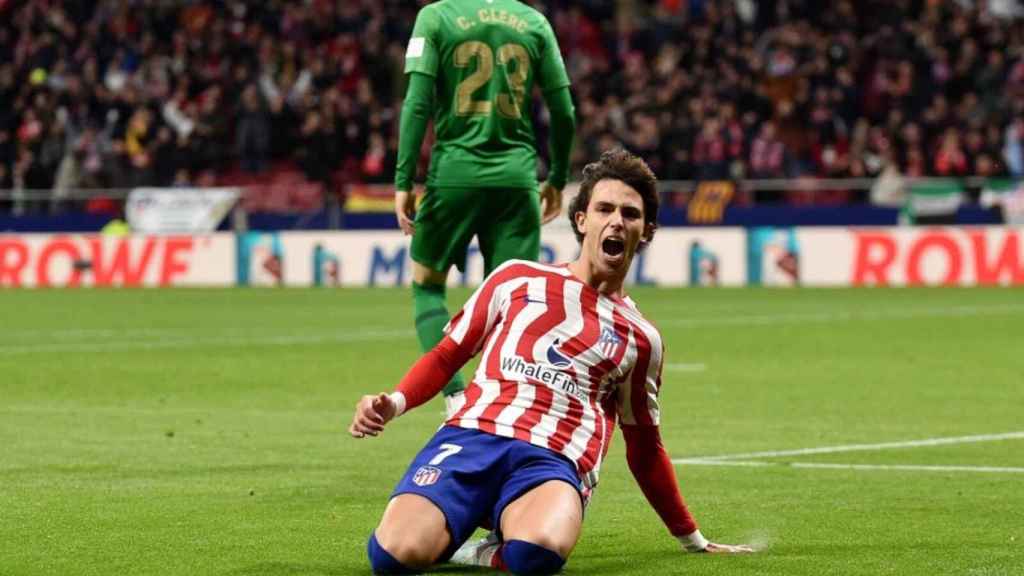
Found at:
[490, 389]
[535, 307]
[501, 295]
[589, 421]
[572, 301]
[653, 368]
[625, 398]
[641, 327]
[523, 400]
[571, 324]
[458, 332]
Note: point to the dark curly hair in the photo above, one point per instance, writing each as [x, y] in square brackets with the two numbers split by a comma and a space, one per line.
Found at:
[619, 164]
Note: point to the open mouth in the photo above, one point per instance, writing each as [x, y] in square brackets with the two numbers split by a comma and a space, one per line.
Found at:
[613, 246]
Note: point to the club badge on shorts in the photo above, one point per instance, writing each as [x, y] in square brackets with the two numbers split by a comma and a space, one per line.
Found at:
[426, 475]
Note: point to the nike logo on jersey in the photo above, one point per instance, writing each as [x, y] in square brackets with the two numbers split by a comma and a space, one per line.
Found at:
[529, 300]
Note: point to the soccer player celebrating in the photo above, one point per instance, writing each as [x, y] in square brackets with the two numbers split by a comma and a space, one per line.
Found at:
[565, 353]
[472, 67]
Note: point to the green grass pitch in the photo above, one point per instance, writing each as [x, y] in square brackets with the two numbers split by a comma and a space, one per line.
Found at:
[203, 432]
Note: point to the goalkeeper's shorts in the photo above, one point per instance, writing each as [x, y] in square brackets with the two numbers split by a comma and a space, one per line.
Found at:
[506, 223]
[472, 476]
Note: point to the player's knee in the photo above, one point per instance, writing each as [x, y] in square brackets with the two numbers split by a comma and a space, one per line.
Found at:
[522, 558]
[425, 276]
[384, 562]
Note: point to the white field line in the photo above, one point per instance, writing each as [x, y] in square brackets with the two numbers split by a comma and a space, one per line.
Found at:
[205, 341]
[98, 344]
[17, 335]
[745, 460]
[831, 466]
[686, 367]
[864, 447]
[833, 316]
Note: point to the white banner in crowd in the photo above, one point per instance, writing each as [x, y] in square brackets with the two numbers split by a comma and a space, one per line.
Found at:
[178, 210]
[44, 260]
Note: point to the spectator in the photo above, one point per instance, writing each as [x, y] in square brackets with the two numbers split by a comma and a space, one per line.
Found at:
[99, 94]
[252, 136]
[950, 159]
[767, 154]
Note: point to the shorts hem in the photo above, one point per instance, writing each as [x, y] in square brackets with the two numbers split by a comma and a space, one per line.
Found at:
[455, 541]
[433, 265]
[516, 495]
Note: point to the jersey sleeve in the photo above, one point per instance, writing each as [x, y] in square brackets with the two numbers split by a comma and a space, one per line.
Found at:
[637, 401]
[484, 309]
[422, 53]
[551, 74]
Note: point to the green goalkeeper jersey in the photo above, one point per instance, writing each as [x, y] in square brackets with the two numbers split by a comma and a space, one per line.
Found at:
[485, 57]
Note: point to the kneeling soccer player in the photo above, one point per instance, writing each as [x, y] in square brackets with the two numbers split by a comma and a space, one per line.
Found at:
[565, 353]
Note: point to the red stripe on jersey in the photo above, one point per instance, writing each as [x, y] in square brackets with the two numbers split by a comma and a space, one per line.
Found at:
[505, 397]
[543, 396]
[602, 368]
[638, 382]
[517, 303]
[553, 316]
[473, 393]
[567, 425]
[478, 319]
[591, 330]
[596, 447]
[608, 404]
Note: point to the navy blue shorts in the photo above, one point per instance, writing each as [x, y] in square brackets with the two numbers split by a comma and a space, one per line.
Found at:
[472, 476]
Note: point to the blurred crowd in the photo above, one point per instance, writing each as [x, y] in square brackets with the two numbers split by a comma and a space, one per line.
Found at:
[122, 93]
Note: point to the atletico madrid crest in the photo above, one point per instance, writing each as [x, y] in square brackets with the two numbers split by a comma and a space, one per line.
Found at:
[609, 343]
[426, 475]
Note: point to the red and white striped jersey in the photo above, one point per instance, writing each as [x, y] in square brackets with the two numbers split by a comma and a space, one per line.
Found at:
[560, 363]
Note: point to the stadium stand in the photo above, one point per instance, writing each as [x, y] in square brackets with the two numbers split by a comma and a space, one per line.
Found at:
[295, 99]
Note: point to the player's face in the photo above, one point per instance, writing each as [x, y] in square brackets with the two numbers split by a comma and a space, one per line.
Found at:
[612, 226]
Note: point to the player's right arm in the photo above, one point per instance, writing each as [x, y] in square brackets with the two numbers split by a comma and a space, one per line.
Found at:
[421, 62]
[416, 111]
[422, 382]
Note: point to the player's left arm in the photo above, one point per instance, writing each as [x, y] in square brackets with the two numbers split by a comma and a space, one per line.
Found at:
[648, 460]
[560, 140]
[554, 84]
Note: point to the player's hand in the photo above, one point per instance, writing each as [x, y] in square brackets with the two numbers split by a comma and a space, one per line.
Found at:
[372, 413]
[405, 210]
[713, 548]
[550, 203]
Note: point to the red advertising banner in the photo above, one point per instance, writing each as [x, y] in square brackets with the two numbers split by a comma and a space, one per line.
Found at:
[43, 260]
[944, 256]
